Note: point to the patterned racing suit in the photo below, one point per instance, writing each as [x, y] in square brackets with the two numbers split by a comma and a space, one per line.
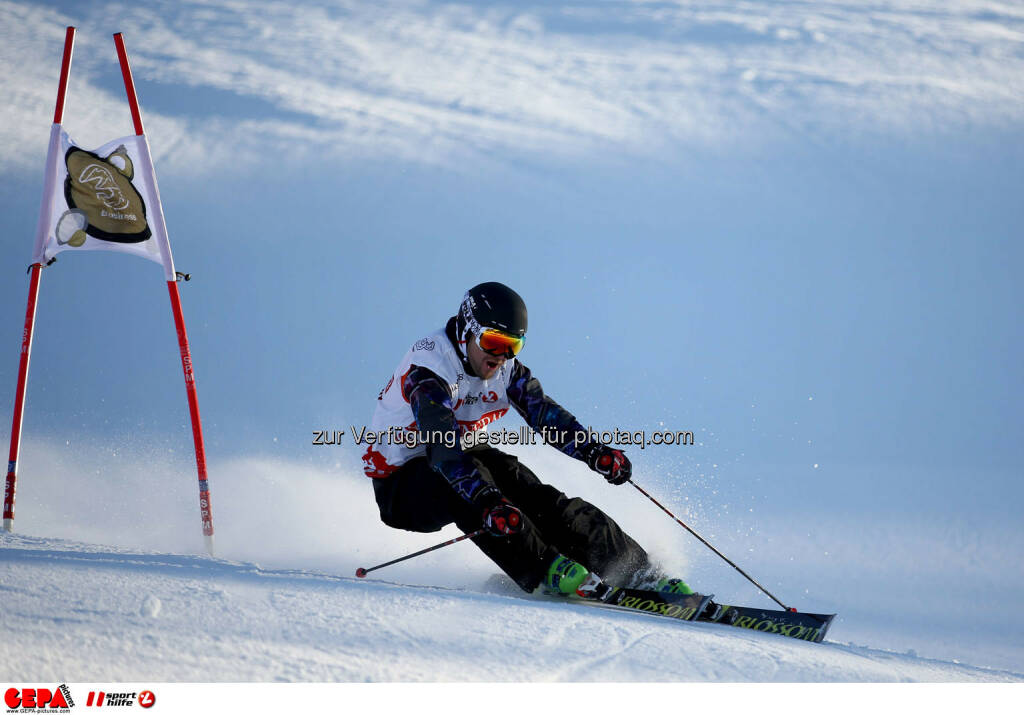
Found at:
[427, 474]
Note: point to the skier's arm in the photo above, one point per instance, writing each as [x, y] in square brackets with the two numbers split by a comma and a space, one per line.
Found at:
[559, 428]
[556, 425]
[431, 402]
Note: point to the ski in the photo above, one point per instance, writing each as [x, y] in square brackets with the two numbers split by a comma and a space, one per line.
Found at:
[670, 605]
[810, 627]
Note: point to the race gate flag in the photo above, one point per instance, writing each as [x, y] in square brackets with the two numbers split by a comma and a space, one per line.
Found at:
[103, 199]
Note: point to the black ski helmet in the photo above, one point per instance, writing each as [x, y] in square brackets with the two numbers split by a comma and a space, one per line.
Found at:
[490, 305]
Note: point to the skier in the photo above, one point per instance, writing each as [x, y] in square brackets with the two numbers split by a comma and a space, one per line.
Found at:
[459, 380]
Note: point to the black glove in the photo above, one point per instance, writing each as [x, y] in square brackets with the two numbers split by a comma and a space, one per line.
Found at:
[612, 464]
[503, 519]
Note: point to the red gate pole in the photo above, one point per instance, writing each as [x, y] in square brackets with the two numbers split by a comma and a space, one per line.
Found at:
[10, 483]
[160, 233]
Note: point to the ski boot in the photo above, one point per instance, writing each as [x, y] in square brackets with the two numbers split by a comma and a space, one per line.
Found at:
[672, 585]
[651, 578]
[712, 611]
[564, 576]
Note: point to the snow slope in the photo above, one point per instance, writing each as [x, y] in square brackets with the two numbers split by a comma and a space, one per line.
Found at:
[140, 607]
[82, 612]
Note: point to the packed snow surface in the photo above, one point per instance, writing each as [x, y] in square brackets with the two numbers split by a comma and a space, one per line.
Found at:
[83, 612]
[105, 579]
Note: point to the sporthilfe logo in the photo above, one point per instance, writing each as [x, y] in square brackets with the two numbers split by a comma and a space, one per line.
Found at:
[144, 699]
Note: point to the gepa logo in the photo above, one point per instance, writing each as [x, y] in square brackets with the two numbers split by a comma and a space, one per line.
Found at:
[20, 699]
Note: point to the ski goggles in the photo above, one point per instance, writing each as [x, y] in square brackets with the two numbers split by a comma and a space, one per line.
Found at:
[497, 343]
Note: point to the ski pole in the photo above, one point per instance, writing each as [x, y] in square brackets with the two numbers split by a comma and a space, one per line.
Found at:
[361, 572]
[706, 543]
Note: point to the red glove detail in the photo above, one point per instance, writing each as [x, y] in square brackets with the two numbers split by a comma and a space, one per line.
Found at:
[612, 464]
[503, 519]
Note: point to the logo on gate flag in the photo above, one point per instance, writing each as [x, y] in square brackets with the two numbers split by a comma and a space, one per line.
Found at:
[102, 199]
[98, 200]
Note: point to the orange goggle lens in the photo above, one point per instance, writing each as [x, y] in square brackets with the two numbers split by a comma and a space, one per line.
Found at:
[498, 343]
